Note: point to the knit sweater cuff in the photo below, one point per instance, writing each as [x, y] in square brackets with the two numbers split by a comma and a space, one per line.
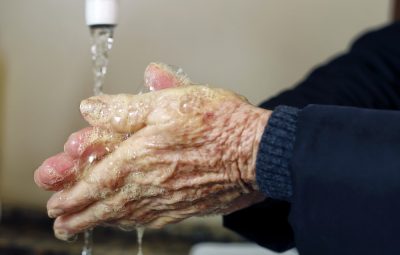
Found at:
[275, 153]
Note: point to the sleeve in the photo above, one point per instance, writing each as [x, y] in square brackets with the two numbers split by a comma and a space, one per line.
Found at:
[367, 76]
[346, 181]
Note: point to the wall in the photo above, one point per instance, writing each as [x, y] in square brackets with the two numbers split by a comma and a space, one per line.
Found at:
[256, 47]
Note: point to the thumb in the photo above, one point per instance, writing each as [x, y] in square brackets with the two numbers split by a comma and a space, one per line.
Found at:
[123, 113]
[126, 113]
[159, 76]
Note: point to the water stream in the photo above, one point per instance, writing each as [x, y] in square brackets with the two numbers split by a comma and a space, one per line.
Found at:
[102, 41]
[140, 232]
[88, 242]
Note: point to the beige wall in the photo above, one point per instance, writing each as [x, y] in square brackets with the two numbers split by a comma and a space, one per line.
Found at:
[256, 47]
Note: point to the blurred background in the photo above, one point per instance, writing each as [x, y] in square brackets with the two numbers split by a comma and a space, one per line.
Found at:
[254, 47]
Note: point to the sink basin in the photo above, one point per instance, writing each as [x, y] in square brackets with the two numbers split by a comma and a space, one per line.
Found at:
[234, 249]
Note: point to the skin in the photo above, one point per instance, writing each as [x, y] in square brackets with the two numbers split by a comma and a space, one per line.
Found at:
[149, 160]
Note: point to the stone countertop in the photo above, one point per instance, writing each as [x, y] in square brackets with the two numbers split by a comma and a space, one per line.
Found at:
[29, 232]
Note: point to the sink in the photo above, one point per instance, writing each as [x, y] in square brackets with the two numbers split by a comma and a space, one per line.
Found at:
[234, 249]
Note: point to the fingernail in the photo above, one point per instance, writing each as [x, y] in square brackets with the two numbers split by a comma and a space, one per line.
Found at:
[54, 213]
[159, 76]
[63, 235]
[72, 145]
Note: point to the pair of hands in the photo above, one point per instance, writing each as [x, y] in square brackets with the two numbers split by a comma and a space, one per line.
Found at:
[156, 158]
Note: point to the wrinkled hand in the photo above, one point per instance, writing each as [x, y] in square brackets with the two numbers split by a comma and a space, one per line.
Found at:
[192, 152]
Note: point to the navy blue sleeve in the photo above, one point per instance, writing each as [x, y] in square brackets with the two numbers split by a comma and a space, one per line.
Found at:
[367, 76]
[346, 181]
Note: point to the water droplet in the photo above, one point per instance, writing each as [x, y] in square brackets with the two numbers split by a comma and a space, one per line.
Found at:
[117, 119]
[91, 158]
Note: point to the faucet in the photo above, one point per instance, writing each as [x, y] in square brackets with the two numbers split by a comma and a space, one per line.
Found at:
[101, 12]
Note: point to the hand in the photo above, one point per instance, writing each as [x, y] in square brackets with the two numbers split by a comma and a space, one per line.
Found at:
[192, 152]
[93, 142]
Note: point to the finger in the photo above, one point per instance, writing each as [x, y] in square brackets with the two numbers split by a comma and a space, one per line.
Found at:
[97, 182]
[159, 76]
[92, 141]
[117, 209]
[71, 200]
[126, 113]
[54, 171]
[66, 226]
[82, 148]
[122, 113]
[77, 142]
[121, 210]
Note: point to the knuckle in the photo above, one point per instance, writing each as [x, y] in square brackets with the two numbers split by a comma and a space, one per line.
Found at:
[103, 212]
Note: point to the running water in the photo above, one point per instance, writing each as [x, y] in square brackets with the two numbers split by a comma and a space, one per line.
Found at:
[140, 232]
[102, 37]
[88, 242]
[102, 41]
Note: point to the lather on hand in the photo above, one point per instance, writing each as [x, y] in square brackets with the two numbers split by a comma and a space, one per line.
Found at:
[158, 158]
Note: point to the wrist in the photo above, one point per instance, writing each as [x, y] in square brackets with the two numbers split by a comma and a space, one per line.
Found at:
[250, 140]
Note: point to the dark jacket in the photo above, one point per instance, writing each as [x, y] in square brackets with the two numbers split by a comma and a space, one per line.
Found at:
[345, 164]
